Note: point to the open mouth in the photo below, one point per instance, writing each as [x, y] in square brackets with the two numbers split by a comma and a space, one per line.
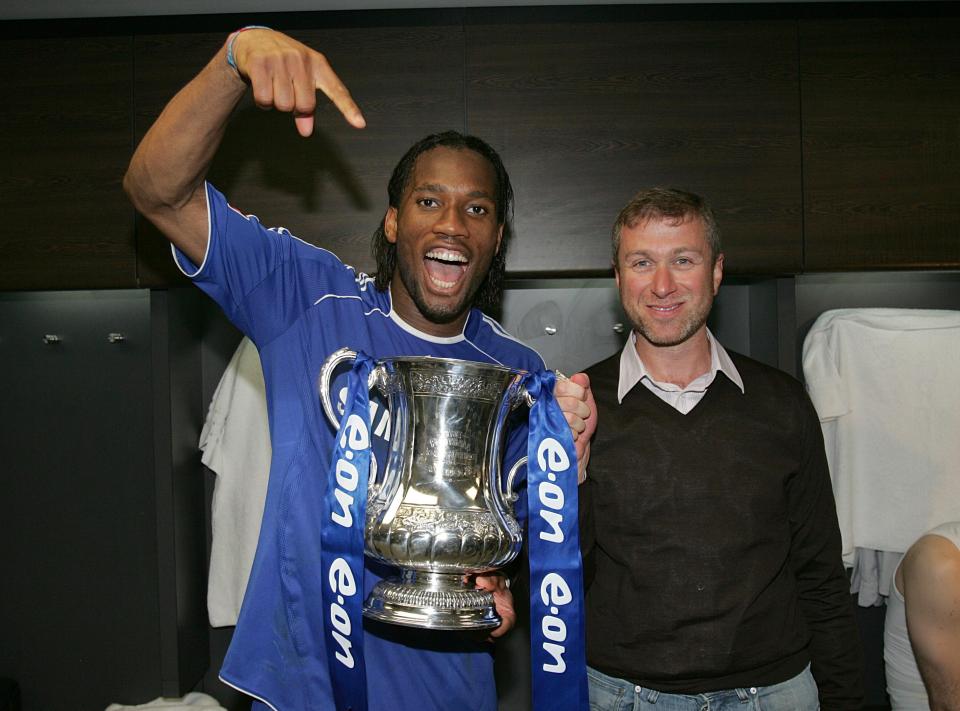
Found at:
[445, 267]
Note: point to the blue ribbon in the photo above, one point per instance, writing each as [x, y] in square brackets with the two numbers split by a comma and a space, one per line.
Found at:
[342, 533]
[557, 641]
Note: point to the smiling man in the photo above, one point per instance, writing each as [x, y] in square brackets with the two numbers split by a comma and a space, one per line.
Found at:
[439, 255]
[708, 527]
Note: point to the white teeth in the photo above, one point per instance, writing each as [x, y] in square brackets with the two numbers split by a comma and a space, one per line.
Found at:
[446, 255]
[442, 284]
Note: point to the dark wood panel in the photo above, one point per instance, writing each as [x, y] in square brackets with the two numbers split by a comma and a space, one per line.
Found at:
[587, 113]
[881, 150]
[65, 135]
[329, 189]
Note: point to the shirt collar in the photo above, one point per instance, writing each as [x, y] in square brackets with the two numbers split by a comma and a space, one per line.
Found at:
[632, 369]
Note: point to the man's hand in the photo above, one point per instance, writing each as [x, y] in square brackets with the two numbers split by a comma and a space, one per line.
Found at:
[285, 75]
[502, 599]
[576, 400]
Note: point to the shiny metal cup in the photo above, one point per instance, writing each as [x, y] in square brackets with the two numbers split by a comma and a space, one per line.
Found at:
[437, 509]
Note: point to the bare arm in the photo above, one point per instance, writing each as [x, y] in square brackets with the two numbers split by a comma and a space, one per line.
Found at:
[167, 172]
[931, 589]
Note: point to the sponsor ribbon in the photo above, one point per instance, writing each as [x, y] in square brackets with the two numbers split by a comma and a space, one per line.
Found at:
[557, 640]
[342, 539]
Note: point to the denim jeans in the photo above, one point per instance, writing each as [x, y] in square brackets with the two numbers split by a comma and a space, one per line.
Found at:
[608, 693]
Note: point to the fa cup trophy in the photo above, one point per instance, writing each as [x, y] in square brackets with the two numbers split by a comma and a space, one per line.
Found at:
[439, 508]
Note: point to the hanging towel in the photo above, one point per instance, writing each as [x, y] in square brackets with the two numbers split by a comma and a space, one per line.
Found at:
[190, 702]
[872, 575]
[236, 446]
[886, 384]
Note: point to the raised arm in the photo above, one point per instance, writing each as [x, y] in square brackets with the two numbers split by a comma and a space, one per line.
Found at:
[166, 174]
[931, 590]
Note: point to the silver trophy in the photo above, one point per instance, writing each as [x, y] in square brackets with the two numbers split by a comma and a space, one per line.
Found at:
[437, 509]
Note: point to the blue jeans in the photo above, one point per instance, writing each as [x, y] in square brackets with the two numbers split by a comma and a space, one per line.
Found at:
[608, 693]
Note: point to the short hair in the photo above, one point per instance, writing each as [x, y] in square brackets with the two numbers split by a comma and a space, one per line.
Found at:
[670, 204]
[385, 252]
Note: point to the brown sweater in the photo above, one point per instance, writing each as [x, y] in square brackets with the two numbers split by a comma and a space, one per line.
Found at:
[710, 540]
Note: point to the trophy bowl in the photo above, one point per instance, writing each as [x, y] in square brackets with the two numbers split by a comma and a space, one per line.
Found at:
[438, 509]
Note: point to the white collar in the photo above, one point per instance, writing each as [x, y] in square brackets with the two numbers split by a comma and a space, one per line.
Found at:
[632, 369]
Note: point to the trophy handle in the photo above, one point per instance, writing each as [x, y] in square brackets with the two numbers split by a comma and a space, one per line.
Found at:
[326, 375]
[507, 493]
[526, 398]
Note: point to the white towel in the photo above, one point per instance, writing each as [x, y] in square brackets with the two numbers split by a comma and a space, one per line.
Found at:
[886, 383]
[872, 576]
[236, 446]
[192, 701]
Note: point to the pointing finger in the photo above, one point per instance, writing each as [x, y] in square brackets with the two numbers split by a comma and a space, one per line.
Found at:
[329, 83]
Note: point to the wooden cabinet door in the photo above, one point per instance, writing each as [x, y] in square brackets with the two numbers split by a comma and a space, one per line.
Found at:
[881, 148]
[64, 144]
[589, 112]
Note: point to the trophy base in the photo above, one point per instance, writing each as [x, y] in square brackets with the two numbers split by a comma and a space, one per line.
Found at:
[439, 601]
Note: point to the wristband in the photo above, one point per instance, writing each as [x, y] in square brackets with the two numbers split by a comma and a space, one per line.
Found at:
[233, 37]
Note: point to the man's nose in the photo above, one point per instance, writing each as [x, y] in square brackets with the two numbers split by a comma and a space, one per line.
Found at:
[451, 221]
[663, 281]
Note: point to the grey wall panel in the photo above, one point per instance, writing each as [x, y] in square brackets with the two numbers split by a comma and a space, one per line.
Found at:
[79, 601]
[570, 322]
[178, 407]
[101, 497]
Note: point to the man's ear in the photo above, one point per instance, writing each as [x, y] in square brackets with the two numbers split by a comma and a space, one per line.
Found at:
[717, 273]
[390, 225]
[499, 239]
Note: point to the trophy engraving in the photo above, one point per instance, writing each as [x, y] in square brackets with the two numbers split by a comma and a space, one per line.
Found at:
[455, 385]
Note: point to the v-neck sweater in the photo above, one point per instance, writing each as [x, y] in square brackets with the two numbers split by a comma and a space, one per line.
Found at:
[710, 540]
